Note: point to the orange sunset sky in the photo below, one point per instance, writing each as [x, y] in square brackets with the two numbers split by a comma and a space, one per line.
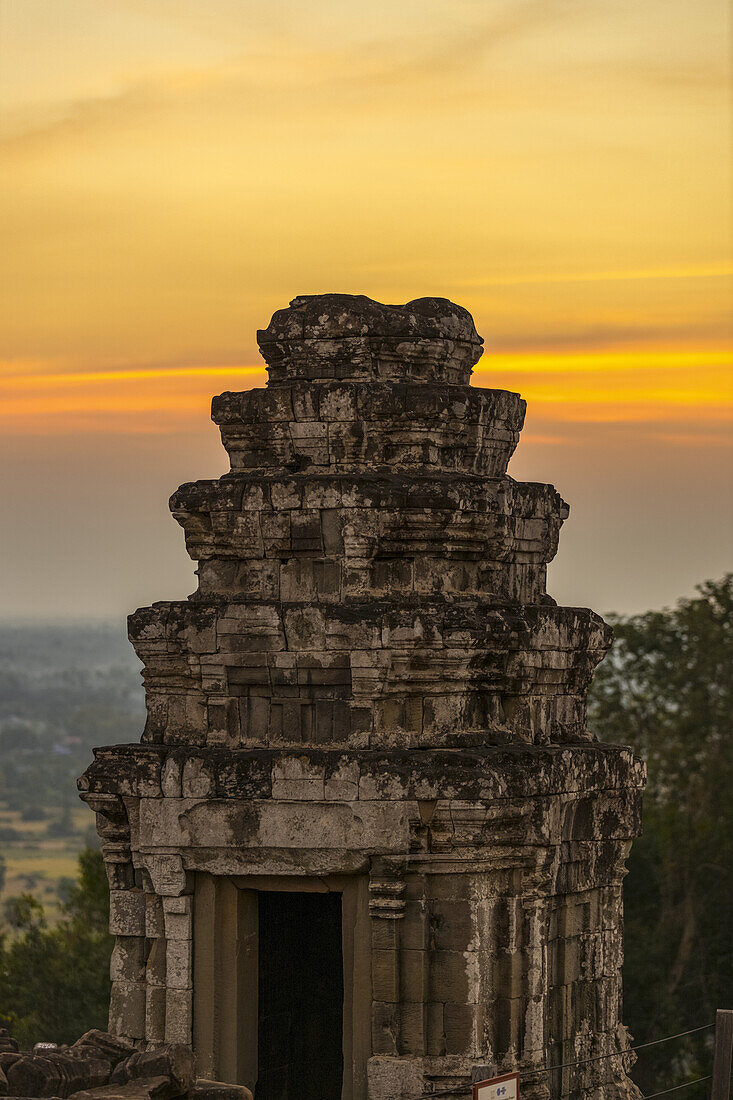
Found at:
[172, 171]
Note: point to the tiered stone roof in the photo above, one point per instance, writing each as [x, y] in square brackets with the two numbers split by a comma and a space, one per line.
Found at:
[369, 574]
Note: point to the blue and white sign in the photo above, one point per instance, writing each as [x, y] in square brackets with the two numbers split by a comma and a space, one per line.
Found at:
[498, 1088]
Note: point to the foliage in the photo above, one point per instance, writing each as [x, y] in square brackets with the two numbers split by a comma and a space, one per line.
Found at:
[54, 982]
[666, 689]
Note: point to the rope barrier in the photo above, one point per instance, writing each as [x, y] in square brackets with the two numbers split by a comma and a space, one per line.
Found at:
[675, 1088]
[621, 1053]
[595, 1058]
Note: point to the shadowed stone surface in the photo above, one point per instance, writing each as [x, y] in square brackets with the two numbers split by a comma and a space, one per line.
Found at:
[371, 692]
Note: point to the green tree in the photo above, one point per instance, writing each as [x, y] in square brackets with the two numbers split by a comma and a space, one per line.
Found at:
[666, 689]
[54, 982]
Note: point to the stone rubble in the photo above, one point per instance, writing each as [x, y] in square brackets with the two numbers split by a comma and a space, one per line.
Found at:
[100, 1066]
[371, 681]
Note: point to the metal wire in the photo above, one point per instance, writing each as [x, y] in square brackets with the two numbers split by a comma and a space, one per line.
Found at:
[595, 1058]
[675, 1088]
[620, 1053]
[679, 1035]
[444, 1092]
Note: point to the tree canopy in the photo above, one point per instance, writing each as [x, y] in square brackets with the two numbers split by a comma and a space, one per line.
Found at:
[54, 981]
[665, 688]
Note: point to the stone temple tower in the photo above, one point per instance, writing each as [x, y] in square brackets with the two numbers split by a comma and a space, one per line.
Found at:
[367, 848]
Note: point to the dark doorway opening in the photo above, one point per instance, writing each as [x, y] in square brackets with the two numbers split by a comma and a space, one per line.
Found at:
[301, 997]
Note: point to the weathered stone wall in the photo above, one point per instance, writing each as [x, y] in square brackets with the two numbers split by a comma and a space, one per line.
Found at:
[372, 682]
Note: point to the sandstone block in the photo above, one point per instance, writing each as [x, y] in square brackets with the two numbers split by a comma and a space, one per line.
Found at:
[179, 964]
[173, 1061]
[178, 1016]
[217, 1090]
[156, 1088]
[128, 959]
[127, 1009]
[127, 913]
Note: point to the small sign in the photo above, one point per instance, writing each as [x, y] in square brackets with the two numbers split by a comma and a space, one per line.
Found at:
[498, 1088]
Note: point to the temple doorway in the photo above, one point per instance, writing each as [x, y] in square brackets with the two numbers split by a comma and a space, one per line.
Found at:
[301, 996]
[282, 984]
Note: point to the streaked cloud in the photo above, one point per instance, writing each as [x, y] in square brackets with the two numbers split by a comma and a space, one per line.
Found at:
[173, 171]
[631, 385]
[701, 271]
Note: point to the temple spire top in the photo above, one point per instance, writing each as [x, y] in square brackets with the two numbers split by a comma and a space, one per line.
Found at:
[340, 336]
